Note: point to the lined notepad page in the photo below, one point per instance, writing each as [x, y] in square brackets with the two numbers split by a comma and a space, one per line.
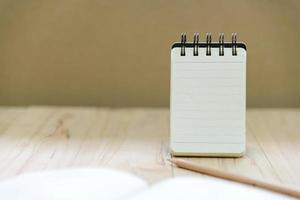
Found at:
[208, 102]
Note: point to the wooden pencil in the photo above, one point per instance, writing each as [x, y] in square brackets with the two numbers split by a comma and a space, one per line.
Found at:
[185, 164]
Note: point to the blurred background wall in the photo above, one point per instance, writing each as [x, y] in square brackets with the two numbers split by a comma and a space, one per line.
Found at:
[116, 53]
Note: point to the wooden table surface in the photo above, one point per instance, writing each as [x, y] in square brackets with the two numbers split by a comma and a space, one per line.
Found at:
[136, 140]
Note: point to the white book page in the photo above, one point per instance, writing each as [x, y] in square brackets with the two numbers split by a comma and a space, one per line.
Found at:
[188, 188]
[106, 184]
[72, 184]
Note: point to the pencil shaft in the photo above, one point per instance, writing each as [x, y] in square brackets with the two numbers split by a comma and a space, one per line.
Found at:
[234, 177]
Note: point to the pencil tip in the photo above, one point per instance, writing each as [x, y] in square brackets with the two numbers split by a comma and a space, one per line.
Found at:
[170, 160]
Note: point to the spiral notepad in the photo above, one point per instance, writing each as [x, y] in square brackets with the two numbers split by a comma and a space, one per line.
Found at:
[208, 97]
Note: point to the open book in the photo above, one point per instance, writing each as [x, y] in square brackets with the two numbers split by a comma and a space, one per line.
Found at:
[107, 184]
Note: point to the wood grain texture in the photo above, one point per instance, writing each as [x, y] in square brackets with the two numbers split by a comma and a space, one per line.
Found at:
[136, 140]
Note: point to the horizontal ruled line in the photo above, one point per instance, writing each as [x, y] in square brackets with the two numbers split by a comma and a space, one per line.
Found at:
[209, 142]
[209, 62]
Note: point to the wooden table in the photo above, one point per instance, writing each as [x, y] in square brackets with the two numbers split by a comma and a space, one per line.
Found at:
[136, 140]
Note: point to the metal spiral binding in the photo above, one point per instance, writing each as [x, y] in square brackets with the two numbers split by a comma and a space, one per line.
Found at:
[183, 41]
[221, 43]
[208, 43]
[234, 46]
[196, 44]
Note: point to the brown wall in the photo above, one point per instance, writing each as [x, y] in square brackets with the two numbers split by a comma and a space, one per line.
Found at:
[116, 53]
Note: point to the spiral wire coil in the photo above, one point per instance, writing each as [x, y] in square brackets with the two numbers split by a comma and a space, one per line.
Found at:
[196, 44]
